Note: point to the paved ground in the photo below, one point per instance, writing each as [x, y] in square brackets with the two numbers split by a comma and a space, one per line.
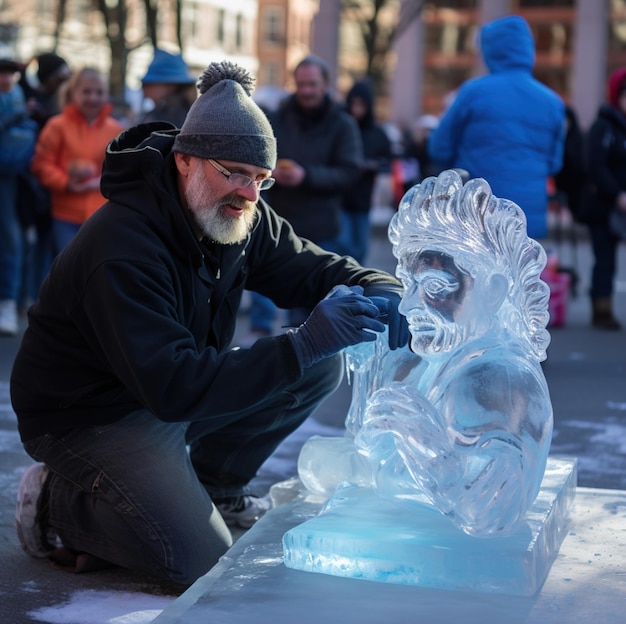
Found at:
[585, 371]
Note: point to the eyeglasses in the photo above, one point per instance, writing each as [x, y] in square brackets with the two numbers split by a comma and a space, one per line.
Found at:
[242, 181]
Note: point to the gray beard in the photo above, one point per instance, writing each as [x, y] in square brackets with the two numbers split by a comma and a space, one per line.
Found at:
[224, 229]
[207, 211]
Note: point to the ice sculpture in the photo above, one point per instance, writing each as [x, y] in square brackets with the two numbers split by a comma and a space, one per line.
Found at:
[462, 421]
[446, 441]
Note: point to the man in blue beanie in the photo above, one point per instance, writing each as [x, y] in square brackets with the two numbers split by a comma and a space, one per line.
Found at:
[170, 87]
[147, 424]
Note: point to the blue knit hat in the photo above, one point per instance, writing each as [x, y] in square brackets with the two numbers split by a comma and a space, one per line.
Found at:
[225, 122]
[167, 68]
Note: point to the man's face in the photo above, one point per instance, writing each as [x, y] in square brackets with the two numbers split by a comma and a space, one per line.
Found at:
[310, 87]
[439, 302]
[90, 94]
[223, 214]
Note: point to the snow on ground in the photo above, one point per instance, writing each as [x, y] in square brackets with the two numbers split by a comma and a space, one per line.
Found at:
[104, 607]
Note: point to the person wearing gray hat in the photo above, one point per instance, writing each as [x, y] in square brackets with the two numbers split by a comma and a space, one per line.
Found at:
[147, 425]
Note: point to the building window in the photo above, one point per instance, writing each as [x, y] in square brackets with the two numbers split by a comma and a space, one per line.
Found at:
[221, 19]
[239, 24]
[272, 26]
[272, 74]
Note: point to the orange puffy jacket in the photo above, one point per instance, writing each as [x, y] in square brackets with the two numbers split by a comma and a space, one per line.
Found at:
[65, 139]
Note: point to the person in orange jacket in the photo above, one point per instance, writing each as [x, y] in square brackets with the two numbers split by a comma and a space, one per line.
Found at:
[70, 152]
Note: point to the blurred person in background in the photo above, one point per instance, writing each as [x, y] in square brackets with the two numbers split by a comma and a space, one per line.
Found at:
[70, 152]
[13, 111]
[605, 158]
[319, 158]
[170, 87]
[43, 81]
[570, 180]
[506, 126]
[357, 200]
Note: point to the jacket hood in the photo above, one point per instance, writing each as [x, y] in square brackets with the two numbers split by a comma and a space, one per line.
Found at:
[133, 156]
[615, 84]
[507, 43]
[139, 174]
[362, 89]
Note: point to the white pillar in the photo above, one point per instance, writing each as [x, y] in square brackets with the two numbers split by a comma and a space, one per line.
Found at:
[493, 9]
[405, 87]
[326, 36]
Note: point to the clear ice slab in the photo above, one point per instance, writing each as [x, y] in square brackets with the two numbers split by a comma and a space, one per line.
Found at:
[363, 536]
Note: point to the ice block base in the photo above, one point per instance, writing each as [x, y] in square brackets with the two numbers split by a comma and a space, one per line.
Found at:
[367, 537]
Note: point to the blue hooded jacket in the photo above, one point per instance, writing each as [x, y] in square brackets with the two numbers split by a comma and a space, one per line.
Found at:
[506, 126]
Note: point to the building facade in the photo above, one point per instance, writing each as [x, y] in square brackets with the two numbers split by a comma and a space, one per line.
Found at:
[211, 30]
[579, 43]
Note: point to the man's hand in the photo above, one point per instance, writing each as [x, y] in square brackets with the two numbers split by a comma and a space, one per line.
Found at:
[345, 317]
[387, 302]
[288, 173]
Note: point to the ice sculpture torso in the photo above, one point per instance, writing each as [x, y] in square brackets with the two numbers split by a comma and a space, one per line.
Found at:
[462, 420]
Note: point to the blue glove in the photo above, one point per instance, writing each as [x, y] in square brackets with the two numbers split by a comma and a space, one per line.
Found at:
[343, 318]
[387, 302]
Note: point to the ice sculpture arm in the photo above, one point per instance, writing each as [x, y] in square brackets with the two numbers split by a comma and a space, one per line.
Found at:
[372, 365]
[477, 451]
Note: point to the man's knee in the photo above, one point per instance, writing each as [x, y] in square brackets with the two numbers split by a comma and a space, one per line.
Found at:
[194, 559]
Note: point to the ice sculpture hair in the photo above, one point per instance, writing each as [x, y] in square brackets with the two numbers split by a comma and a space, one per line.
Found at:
[441, 214]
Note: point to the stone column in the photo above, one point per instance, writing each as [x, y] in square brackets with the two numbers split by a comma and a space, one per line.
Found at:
[493, 9]
[590, 54]
[326, 36]
[406, 83]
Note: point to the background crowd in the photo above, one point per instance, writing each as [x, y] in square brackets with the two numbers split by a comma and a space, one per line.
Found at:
[504, 126]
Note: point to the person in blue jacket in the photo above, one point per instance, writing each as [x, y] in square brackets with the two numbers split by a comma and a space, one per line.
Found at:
[506, 127]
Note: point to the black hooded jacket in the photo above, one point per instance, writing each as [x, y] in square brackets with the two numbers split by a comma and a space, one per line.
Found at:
[605, 152]
[327, 145]
[376, 148]
[137, 313]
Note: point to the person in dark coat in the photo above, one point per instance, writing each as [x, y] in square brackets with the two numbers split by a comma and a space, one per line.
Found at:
[126, 362]
[357, 200]
[570, 180]
[605, 157]
[319, 158]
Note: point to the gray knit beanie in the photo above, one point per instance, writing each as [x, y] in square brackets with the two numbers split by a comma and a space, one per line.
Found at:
[225, 123]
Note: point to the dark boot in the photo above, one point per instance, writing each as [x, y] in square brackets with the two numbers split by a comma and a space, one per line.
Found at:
[603, 314]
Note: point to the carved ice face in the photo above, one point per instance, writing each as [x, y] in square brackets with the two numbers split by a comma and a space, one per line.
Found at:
[440, 301]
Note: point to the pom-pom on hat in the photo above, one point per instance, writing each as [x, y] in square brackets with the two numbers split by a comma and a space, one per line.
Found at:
[167, 68]
[225, 123]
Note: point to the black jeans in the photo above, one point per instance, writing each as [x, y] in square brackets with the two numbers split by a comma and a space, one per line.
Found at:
[131, 493]
[604, 244]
